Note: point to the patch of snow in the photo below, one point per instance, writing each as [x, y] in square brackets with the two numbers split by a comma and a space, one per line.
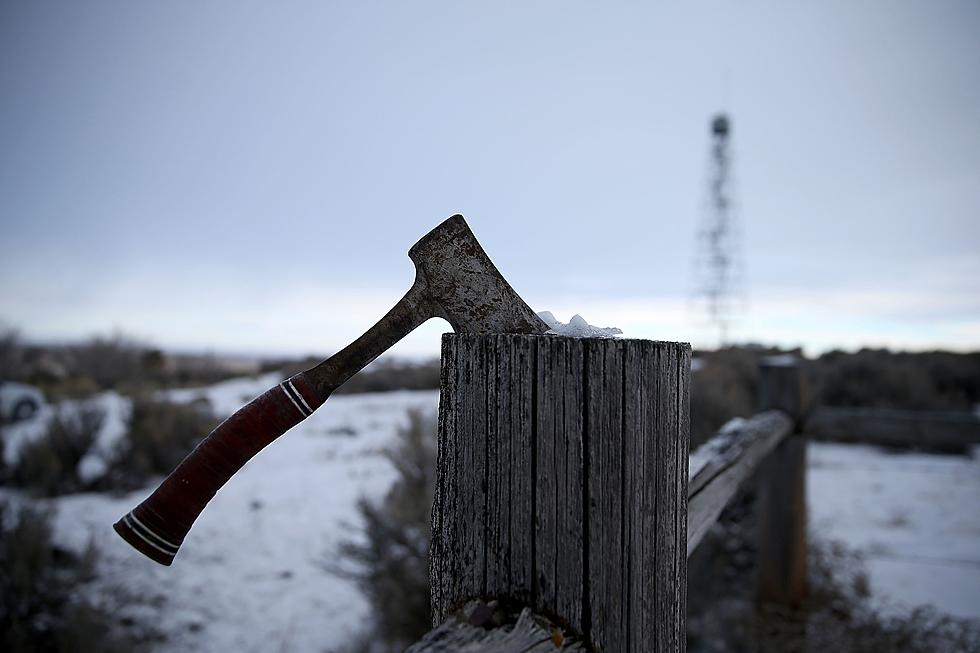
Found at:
[734, 425]
[577, 327]
[697, 460]
[549, 318]
[912, 516]
[116, 411]
[716, 447]
[227, 396]
[91, 468]
[249, 576]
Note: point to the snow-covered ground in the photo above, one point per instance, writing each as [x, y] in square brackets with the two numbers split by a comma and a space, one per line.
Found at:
[248, 579]
[112, 405]
[915, 518]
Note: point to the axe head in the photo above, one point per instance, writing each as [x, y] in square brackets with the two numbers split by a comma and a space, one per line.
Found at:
[463, 286]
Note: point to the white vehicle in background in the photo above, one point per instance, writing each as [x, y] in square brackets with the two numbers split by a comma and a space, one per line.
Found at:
[19, 401]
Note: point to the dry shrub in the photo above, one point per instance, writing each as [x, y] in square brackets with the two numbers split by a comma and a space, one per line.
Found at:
[843, 618]
[391, 374]
[391, 564]
[840, 614]
[48, 466]
[913, 381]
[12, 366]
[384, 375]
[109, 362]
[160, 435]
[39, 605]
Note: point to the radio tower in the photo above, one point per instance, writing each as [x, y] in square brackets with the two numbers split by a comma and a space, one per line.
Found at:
[718, 245]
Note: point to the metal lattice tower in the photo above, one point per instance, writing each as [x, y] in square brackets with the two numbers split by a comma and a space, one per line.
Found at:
[718, 235]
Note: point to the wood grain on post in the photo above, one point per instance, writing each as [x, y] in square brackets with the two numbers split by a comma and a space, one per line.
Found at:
[562, 484]
[781, 503]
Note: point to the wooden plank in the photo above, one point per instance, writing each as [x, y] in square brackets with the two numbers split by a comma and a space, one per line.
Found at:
[510, 499]
[640, 480]
[682, 359]
[606, 550]
[468, 478]
[550, 383]
[497, 469]
[715, 485]
[570, 582]
[560, 478]
[649, 488]
[670, 561]
[520, 549]
[941, 431]
[443, 565]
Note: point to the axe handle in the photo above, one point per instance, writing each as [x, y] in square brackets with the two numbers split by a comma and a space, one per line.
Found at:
[157, 526]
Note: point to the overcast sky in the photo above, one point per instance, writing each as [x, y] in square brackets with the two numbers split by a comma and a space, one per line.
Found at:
[248, 176]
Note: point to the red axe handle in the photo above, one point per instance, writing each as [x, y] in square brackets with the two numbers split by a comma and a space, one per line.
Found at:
[157, 526]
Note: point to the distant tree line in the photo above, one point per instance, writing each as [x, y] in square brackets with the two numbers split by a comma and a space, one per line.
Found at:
[113, 362]
[723, 385]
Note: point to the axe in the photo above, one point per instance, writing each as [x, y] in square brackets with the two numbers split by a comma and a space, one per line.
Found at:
[454, 279]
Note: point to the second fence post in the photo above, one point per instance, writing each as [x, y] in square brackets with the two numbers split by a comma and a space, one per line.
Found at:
[562, 484]
[781, 503]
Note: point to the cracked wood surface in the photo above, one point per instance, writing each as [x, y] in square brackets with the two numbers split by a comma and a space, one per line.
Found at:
[462, 633]
[562, 484]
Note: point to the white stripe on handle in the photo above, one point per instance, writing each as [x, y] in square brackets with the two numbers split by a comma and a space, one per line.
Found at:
[309, 411]
[291, 399]
[136, 531]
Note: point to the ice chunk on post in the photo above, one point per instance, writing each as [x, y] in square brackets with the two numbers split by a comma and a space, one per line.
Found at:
[577, 327]
[549, 318]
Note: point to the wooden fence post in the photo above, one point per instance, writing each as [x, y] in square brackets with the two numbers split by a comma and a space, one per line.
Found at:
[562, 484]
[781, 502]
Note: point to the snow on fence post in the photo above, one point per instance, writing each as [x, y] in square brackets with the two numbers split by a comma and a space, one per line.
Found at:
[562, 484]
[781, 502]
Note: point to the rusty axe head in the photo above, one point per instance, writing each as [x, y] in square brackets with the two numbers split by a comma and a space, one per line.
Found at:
[464, 287]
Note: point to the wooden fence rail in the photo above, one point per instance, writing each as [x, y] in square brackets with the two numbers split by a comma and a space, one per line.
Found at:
[945, 431]
[731, 459]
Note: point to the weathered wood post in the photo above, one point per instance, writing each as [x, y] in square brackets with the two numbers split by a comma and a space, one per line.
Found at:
[781, 502]
[562, 484]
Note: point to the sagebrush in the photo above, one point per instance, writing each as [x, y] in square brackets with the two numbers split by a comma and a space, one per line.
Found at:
[391, 563]
[48, 465]
[40, 607]
[160, 434]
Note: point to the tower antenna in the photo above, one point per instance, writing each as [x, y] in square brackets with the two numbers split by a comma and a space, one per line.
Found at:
[717, 258]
